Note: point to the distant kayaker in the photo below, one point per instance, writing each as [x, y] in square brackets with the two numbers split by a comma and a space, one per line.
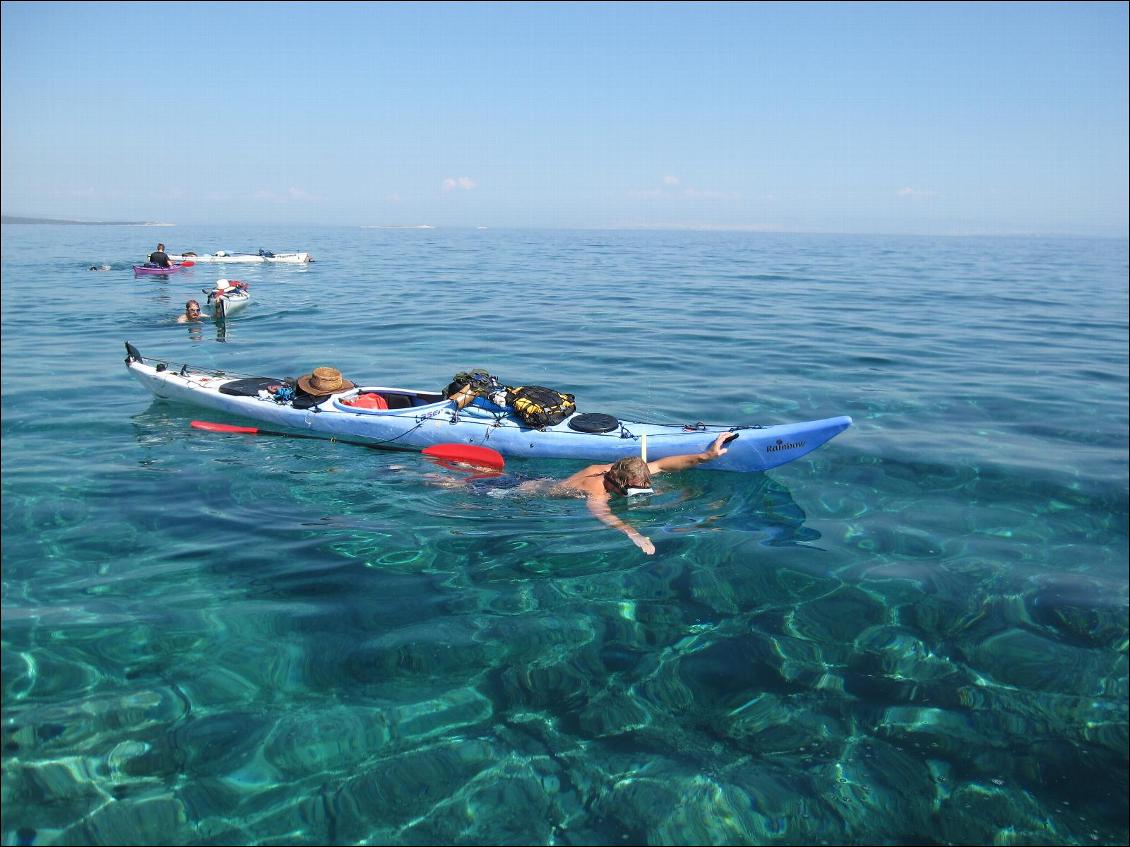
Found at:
[191, 312]
[159, 257]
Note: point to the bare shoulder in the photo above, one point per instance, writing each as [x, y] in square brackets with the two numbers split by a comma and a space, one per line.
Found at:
[583, 479]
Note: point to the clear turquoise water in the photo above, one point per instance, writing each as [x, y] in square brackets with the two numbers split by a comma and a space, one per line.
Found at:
[917, 634]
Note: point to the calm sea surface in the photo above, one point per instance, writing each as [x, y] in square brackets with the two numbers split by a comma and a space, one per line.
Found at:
[916, 634]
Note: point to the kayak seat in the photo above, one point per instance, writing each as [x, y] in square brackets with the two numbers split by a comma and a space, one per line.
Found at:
[396, 401]
[368, 400]
[251, 386]
[390, 400]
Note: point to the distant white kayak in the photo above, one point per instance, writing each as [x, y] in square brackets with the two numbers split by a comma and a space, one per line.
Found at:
[262, 257]
[229, 296]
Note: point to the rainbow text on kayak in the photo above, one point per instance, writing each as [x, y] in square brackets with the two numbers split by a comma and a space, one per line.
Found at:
[783, 445]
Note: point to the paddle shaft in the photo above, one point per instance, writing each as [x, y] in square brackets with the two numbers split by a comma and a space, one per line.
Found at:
[254, 430]
[467, 453]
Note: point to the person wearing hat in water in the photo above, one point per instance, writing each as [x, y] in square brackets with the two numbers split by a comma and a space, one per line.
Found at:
[318, 385]
[223, 286]
[216, 295]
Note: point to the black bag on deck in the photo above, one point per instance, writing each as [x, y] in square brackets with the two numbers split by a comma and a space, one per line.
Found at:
[538, 406]
[480, 381]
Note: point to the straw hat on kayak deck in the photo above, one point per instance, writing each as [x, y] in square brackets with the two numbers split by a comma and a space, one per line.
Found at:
[223, 285]
[324, 381]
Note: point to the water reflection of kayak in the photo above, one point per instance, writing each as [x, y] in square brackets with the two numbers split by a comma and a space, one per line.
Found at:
[405, 418]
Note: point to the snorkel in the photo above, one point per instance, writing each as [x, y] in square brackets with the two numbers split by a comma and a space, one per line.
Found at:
[630, 477]
[633, 491]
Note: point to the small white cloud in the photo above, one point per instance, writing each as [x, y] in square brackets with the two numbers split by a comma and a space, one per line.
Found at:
[75, 193]
[710, 195]
[907, 191]
[672, 189]
[291, 195]
[463, 182]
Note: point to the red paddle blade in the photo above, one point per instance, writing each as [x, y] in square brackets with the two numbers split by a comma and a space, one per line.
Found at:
[470, 454]
[219, 427]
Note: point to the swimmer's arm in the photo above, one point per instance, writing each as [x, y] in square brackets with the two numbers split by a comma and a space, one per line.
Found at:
[599, 508]
[690, 460]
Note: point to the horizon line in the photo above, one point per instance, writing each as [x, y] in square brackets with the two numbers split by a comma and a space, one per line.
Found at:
[32, 220]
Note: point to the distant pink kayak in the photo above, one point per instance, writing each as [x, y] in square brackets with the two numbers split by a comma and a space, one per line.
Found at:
[150, 268]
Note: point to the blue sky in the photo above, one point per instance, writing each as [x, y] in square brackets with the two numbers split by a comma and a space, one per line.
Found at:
[944, 118]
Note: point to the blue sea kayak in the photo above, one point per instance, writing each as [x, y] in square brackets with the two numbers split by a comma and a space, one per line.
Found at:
[417, 419]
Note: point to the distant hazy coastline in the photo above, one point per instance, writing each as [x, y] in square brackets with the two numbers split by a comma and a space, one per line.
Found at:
[18, 219]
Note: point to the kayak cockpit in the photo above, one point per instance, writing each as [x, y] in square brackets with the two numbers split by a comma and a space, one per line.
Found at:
[370, 400]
